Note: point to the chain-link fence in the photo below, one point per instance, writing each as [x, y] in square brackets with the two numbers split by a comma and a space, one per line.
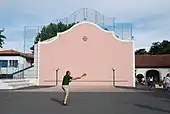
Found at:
[121, 30]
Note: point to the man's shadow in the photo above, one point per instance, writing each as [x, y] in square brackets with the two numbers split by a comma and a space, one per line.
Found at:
[56, 100]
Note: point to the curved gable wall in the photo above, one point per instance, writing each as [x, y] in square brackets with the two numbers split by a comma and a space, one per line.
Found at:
[97, 56]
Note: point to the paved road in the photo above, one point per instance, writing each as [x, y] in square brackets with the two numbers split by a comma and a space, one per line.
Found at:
[85, 102]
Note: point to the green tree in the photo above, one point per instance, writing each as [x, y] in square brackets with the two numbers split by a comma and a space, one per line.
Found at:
[160, 48]
[2, 37]
[50, 31]
[141, 52]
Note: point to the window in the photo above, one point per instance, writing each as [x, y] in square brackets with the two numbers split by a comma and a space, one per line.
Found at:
[3, 63]
[13, 63]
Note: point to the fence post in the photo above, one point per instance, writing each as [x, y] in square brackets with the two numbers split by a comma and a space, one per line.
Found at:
[57, 76]
[84, 12]
[95, 17]
[114, 24]
[103, 20]
[113, 73]
[74, 17]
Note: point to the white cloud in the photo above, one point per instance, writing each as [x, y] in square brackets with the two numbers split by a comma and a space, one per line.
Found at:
[15, 45]
[124, 10]
[152, 31]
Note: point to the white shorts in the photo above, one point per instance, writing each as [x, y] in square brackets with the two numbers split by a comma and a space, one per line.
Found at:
[65, 88]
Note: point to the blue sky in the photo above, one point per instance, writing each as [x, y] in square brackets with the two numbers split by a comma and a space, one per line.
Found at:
[150, 18]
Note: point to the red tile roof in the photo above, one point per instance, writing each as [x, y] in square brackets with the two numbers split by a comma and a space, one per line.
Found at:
[30, 55]
[9, 52]
[16, 53]
[152, 61]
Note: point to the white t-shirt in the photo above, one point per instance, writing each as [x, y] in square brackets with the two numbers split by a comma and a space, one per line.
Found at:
[151, 79]
[167, 80]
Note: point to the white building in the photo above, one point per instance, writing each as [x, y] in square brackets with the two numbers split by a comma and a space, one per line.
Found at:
[156, 66]
[12, 61]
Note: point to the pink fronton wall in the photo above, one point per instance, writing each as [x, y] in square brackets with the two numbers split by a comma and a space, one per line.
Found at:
[97, 56]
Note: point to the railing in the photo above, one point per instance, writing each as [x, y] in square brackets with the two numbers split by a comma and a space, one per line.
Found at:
[22, 70]
[25, 77]
[6, 76]
[20, 74]
[11, 70]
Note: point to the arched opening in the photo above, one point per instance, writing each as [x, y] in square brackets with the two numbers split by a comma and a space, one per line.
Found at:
[139, 78]
[155, 74]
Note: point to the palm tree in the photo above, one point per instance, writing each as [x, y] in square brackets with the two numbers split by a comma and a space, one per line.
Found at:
[2, 37]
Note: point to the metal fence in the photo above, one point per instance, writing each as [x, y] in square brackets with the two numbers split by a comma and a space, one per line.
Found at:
[121, 30]
[22, 71]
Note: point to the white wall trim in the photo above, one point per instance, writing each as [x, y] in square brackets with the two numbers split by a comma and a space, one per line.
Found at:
[133, 52]
[84, 22]
[38, 61]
